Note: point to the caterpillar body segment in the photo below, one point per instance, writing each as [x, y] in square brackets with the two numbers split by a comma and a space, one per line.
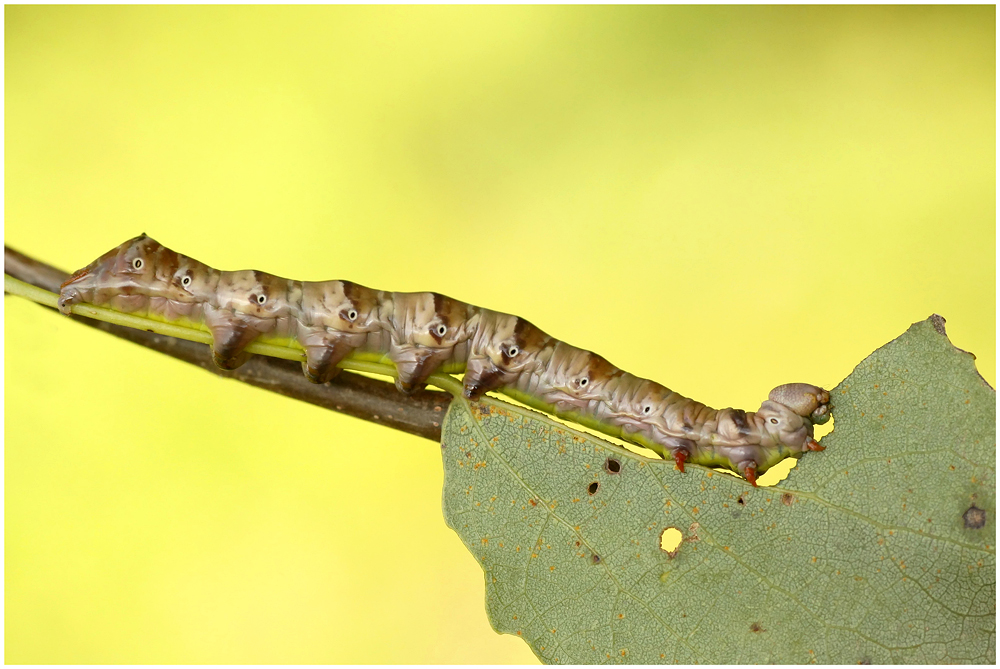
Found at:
[427, 330]
[424, 333]
[337, 318]
[501, 350]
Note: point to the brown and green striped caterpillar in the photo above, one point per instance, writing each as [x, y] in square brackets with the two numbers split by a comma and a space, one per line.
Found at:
[424, 333]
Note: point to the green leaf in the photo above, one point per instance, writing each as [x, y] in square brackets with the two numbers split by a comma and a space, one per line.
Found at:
[879, 549]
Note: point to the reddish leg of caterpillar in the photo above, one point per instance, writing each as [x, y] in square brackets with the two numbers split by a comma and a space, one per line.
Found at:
[813, 445]
[680, 457]
[750, 473]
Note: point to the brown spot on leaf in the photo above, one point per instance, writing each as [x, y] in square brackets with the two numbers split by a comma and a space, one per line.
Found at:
[974, 517]
[757, 628]
[787, 499]
[692, 534]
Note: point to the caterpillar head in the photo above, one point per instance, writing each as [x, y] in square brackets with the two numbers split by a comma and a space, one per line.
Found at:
[806, 400]
[128, 269]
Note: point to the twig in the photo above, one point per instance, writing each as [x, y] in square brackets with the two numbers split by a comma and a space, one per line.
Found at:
[377, 401]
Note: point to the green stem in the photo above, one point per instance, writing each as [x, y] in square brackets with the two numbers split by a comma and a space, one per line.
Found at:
[41, 296]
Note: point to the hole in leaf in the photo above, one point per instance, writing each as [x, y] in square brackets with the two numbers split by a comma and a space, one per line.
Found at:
[612, 466]
[820, 431]
[777, 473]
[974, 517]
[670, 539]
[596, 558]
[742, 501]
[592, 488]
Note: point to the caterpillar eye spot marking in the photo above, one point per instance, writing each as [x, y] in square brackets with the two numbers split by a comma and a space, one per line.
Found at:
[398, 327]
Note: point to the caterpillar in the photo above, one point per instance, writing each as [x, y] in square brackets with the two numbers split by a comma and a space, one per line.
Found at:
[424, 333]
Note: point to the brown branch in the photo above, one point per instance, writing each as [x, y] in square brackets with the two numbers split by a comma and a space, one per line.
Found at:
[377, 401]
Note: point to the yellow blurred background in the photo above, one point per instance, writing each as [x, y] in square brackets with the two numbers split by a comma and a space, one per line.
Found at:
[722, 199]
